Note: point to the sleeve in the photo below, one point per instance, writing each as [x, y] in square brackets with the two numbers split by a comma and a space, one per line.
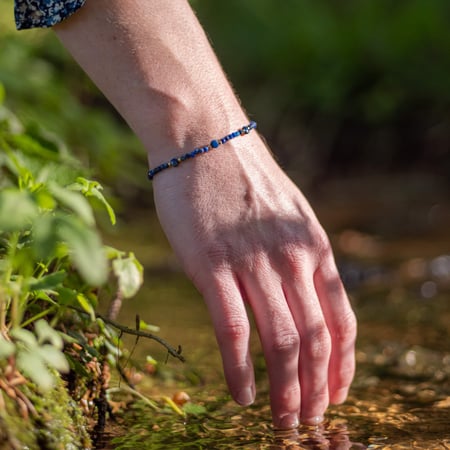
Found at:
[43, 13]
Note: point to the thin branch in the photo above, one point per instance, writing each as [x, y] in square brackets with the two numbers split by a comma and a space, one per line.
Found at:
[124, 329]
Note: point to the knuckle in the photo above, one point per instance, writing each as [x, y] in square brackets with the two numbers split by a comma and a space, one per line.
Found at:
[285, 343]
[233, 331]
[218, 253]
[317, 343]
[323, 244]
[294, 259]
[345, 329]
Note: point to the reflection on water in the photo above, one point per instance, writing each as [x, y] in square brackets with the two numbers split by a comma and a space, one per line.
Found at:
[400, 398]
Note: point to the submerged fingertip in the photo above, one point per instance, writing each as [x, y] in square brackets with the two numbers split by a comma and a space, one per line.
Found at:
[312, 421]
[287, 422]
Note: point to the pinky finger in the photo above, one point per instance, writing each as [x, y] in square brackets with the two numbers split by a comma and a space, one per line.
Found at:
[341, 323]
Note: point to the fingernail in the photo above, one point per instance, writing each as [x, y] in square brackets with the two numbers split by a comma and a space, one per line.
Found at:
[316, 420]
[339, 396]
[245, 396]
[288, 422]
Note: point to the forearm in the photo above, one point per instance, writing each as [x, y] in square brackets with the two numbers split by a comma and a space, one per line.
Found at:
[154, 63]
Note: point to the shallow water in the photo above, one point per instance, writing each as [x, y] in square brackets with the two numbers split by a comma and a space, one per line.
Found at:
[400, 399]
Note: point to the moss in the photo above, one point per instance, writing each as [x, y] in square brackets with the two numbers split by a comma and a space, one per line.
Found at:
[59, 423]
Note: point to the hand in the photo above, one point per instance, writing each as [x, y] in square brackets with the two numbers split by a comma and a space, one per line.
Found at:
[243, 232]
[246, 235]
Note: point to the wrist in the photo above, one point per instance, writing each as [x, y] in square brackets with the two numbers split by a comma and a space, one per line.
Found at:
[202, 149]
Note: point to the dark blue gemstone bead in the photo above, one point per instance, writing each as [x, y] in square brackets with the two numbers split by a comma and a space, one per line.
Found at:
[174, 162]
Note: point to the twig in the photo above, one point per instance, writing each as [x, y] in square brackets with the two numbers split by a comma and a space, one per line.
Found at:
[124, 329]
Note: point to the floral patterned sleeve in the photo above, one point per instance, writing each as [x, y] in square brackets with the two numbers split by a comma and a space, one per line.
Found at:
[43, 13]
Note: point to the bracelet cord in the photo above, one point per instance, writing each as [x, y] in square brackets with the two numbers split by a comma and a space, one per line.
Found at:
[215, 143]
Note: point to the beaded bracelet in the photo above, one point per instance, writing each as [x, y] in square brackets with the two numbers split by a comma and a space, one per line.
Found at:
[174, 162]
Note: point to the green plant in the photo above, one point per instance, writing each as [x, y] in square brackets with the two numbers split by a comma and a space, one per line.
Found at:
[54, 270]
[51, 256]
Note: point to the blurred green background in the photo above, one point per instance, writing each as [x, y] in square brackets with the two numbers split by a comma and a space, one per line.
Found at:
[355, 86]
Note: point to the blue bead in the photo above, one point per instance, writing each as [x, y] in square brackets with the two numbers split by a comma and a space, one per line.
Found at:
[174, 162]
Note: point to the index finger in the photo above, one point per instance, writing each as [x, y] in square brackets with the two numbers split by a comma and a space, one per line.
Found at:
[229, 317]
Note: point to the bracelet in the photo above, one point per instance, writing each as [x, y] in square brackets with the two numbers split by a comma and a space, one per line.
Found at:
[174, 162]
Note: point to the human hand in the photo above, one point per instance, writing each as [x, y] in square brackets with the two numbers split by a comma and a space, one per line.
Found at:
[245, 234]
[242, 230]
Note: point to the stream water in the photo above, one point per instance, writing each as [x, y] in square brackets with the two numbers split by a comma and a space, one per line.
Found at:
[397, 272]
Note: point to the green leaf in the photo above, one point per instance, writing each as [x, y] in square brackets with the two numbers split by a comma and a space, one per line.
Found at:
[46, 333]
[45, 200]
[45, 232]
[33, 366]
[86, 305]
[113, 253]
[24, 336]
[86, 250]
[6, 348]
[148, 327]
[66, 296]
[54, 358]
[129, 274]
[17, 209]
[48, 282]
[74, 201]
[93, 189]
[29, 144]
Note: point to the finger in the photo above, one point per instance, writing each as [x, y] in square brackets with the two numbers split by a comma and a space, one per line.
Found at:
[229, 317]
[280, 342]
[315, 340]
[341, 323]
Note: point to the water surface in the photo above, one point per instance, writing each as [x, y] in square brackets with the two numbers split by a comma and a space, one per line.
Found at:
[399, 284]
